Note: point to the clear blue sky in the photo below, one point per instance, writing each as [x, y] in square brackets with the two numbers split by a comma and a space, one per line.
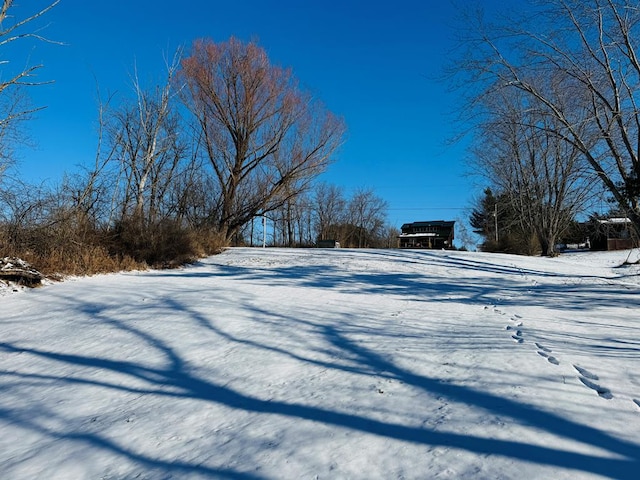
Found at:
[375, 63]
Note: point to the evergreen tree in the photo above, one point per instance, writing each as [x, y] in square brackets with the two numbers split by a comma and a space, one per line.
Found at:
[483, 216]
[502, 229]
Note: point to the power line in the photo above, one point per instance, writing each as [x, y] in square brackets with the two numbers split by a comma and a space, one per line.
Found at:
[429, 208]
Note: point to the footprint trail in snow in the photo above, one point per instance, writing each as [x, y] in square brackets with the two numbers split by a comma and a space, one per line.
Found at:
[589, 380]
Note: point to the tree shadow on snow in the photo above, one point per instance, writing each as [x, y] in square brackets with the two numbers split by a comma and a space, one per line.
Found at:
[471, 281]
[175, 380]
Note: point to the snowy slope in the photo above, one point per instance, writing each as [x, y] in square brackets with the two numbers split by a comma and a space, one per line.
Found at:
[327, 364]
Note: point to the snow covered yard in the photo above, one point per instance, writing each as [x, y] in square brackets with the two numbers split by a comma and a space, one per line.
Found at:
[327, 364]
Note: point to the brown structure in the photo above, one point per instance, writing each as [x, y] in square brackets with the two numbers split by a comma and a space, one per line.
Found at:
[613, 234]
[436, 234]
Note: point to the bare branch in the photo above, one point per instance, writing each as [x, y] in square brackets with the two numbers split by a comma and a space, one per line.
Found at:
[263, 137]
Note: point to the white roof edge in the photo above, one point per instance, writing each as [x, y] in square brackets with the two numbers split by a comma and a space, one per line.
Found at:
[615, 220]
[428, 234]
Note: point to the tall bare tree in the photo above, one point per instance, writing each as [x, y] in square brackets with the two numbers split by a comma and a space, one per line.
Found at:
[329, 207]
[13, 105]
[542, 176]
[146, 141]
[579, 61]
[264, 138]
[367, 213]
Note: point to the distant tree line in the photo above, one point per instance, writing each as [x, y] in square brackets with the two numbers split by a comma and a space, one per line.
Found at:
[325, 213]
[184, 168]
[555, 98]
[502, 228]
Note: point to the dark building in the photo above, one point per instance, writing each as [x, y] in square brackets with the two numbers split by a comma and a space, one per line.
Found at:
[436, 234]
[328, 244]
[612, 234]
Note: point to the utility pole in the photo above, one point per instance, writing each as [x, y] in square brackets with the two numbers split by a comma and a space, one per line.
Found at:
[495, 216]
[264, 231]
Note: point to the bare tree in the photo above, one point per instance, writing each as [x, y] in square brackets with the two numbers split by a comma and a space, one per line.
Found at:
[367, 213]
[578, 61]
[542, 176]
[146, 141]
[329, 208]
[296, 220]
[13, 105]
[264, 138]
[197, 197]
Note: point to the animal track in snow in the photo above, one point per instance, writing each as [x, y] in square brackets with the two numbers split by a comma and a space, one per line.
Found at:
[517, 336]
[600, 390]
[543, 348]
[549, 358]
[586, 373]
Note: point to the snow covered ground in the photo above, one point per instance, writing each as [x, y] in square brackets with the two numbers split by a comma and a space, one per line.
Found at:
[332, 364]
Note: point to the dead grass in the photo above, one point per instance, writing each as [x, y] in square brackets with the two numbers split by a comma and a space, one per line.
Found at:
[57, 253]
